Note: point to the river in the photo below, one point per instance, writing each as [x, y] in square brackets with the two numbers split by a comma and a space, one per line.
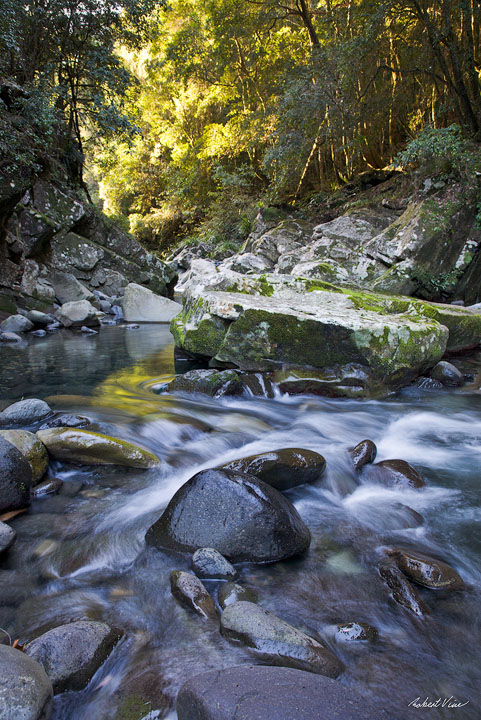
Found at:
[81, 554]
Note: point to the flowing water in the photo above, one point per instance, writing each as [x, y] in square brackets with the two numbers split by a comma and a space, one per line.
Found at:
[81, 553]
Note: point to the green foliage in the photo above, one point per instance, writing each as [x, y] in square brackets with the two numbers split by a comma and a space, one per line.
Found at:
[440, 151]
[438, 285]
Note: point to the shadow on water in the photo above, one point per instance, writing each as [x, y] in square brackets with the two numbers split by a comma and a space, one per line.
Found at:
[81, 553]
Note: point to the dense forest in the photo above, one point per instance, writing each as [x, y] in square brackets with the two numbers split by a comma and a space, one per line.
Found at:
[180, 117]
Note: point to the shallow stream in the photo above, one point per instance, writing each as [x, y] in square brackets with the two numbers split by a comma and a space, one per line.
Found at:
[81, 554]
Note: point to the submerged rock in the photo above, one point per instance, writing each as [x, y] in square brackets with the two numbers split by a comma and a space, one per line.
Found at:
[25, 412]
[275, 641]
[402, 590]
[427, 571]
[230, 592]
[25, 690]
[256, 692]
[356, 632]
[65, 420]
[238, 515]
[7, 537]
[208, 563]
[363, 453]
[447, 374]
[210, 382]
[140, 304]
[89, 448]
[190, 592]
[15, 477]
[31, 448]
[282, 469]
[395, 473]
[72, 653]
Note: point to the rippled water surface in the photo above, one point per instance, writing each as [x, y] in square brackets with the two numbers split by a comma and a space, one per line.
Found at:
[81, 554]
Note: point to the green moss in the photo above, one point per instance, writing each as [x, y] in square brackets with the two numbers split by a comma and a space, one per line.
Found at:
[265, 287]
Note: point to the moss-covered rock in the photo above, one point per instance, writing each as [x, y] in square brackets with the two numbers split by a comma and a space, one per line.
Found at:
[89, 448]
[31, 448]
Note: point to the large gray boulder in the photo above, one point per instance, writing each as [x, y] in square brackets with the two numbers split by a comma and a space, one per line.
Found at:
[76, 314]
[238, 515]
[275, 641]
[15, 478]
[72, 653]
[282, 469]
[256, 692]
[25, 690]
[261, 322]
[7, 537]
[140, 304]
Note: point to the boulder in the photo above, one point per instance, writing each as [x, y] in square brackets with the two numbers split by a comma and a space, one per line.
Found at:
[282, 469]
[238, 515]
[363, 453]
[15, 478]
[76, 314]
[191, 593]
[447, 374]
[9, 337]
[16, 324]
[89, 448]
[427, 571]
[39, 318]
[230, 592]
[275, 641]
[249, 263]
[25, 690]
[402, 590]
[71, 654]
[7, 537]
[394, 473]
[208, 563]
[210, 382]
[68, 289]
[256, 692]
[65, 420]
[25, 412]
[31, 448]
[140, 304]
[352, 380]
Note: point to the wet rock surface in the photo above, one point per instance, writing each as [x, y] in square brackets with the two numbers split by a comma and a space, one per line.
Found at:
[447, 374]
[282, 469]
[191, 593]
[209, 382]
[92, 448]
[208, 563]
[394, 473]
[427, 571]
[275, 641]
[253, 692]
[25, 689]
[402, 590]
[238, 515]
[356, 632]
[363, 453]
[7, 537]
[15, 477]
[70, 654]
[231, 592]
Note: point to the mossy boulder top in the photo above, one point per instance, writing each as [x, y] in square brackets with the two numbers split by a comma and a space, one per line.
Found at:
[89, 448]
[31, 448]
[262, 322]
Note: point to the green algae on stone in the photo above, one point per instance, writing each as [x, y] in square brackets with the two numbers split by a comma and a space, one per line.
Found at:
[89, 448]
[31, 448]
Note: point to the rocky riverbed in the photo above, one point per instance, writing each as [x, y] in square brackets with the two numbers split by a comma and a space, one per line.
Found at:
[354, 564]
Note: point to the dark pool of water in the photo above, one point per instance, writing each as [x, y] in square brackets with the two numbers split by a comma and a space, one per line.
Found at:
[81, 554]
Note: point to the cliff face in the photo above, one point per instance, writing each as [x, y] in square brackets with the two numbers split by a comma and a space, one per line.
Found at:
[48, 235]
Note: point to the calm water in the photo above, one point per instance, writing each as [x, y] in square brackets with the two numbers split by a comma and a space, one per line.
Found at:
[81, 554]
